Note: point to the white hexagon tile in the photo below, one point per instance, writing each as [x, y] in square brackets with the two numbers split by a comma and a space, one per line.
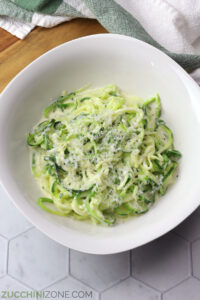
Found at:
[11, 220]
[162, 263]
[3, 256]
[196, 258]
[12, 289]
[99, 271]
[189, 289]
[167, 268]
[189, 229]
[40, 261]
[130, 289]
[71, 288]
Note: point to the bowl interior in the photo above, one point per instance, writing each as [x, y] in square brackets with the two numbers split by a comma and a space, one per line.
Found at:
[136, 68]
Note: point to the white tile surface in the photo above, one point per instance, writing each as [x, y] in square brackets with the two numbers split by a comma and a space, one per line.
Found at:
[71, 288]
[196, 258]
[162, 263]
[11, 220]
[130, 289]
[187, 290]
[37, 260]
[190, 228]
[198, 210]
[13, 288]
[3, 256]
[99, 271]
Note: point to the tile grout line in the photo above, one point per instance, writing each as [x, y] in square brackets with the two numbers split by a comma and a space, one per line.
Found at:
[180, 236]
[130, 262]
[114, 284]
[194, 276]
[195, 240]
[21, 282]
[57, 281]
[69, 265]
[146, 284]
[84, 283]
[21, 233]
[99, 296]
[176, 285]
[4, 237]
[191, 260]
[7, 258]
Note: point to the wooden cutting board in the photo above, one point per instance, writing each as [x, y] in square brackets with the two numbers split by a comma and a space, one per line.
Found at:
[15, 54]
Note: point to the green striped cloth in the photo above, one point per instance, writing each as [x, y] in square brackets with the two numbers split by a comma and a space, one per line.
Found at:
[110, 14]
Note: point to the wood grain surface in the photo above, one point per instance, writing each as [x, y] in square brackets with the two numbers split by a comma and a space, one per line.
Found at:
[15, 54]
[6, 39]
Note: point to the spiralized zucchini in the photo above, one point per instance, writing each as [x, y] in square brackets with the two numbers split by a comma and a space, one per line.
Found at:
[99, 154]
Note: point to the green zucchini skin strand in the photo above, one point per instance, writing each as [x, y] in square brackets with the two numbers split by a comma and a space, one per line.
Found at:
[43, 200]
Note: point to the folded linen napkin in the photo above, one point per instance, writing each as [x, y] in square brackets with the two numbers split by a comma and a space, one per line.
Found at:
[173, 26]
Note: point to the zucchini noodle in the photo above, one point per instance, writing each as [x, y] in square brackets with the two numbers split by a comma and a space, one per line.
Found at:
[100, 154]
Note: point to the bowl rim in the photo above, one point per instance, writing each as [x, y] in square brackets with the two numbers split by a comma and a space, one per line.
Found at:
[43, 225]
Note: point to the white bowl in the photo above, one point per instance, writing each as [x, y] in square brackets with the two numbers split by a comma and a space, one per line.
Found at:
[136, 68]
